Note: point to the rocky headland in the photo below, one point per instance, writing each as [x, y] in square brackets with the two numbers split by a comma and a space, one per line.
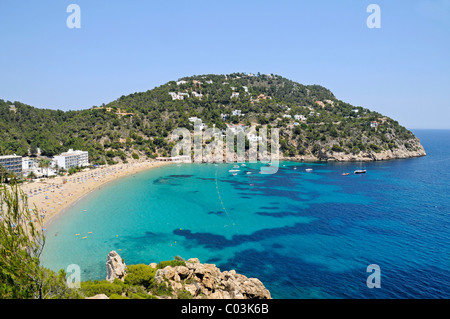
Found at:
[193, 279]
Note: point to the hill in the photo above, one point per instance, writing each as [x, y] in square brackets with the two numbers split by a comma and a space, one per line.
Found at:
[314, 124]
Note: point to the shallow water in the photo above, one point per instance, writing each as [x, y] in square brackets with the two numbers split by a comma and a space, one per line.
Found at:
[303, 234]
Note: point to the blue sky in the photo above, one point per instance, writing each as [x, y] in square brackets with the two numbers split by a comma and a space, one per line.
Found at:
[401, 70]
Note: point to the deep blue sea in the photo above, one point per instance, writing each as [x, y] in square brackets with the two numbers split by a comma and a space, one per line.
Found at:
[303, 234]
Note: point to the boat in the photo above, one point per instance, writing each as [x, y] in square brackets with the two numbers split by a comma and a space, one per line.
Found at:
[243, 165]
[248, 173]
[345, 174]
[234, 174]
[309, 169]
[234, 170]
[236, 166]
[360, 171]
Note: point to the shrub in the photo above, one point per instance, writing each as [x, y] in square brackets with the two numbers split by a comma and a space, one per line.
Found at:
[162, 289]
[117, 296]
[172, 263]
[92, 288]
[141, 275]
[184, 294]
[337, 148]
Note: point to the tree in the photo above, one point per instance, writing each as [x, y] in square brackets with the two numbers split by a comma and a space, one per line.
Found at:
[44, 164]
[21, 243]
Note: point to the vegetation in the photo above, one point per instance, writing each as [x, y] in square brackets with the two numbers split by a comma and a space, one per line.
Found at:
[138, 125]
[22, 276]
[21, 243]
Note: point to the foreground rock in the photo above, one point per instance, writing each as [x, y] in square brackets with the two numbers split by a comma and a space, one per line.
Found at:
[207, 281]
[115, 267]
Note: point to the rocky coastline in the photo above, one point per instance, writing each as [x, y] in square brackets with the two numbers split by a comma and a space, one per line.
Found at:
[199, 281]
[368, 156]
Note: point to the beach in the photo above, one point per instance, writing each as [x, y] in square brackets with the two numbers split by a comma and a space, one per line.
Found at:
[53, 195]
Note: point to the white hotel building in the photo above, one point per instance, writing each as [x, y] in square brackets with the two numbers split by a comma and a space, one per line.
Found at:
[12, 163]
[72, 159]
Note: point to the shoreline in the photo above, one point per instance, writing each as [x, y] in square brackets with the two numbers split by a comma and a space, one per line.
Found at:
[52, 197]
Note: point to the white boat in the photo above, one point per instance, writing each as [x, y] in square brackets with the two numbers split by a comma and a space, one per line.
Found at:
[243, 165]
[360, 171]
[248, 173]
[234, 174]
[234, 170]
[309, 169]
[236, 166]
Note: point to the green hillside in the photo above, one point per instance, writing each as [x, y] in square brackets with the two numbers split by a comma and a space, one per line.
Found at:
[141, 122]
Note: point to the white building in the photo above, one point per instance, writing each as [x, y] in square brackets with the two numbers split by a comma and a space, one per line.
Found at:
[287, 116]
[12, 163]
[237, 112]
[234, 94]
[197, 94]
[235, 128]
[28, 164]
[300, 117]
[72, 159]
[181, 82]
[194, 119]
[254, 138]
[178, 96]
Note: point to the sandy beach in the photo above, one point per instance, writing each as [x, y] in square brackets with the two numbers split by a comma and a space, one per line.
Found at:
[54, 195]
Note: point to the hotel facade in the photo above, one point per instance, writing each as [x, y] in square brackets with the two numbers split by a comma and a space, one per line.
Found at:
[71, 159]
[12, 163]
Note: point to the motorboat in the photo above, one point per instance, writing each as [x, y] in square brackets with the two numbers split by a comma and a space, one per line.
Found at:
[360, 171]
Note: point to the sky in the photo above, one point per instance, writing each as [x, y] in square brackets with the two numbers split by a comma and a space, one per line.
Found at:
[401, 69]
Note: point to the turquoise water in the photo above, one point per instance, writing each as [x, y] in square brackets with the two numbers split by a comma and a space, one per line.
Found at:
[303, 234]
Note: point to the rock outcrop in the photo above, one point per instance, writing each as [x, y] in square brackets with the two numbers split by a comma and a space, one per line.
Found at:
[207, 281]
[368, 156]
[115, 267]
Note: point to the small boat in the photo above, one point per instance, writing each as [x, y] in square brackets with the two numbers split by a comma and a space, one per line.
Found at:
[234, 174]
[248, 173]
[234, 170]
[309, 169]
[236, 166]
[243, 165]
[360, 171]
[345, 174]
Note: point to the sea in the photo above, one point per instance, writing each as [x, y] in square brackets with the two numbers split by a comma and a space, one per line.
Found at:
[304, 234]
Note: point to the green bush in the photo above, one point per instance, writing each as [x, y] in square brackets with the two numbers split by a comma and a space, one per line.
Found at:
[92, 288]
[172, 263]
[117, 296]
[184, 294]
[161, 289]
[140, 275]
